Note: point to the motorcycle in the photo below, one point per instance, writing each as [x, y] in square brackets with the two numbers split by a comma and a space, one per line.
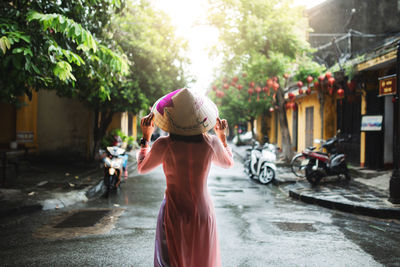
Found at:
[316, 164]
[113, 167]
[259, 162]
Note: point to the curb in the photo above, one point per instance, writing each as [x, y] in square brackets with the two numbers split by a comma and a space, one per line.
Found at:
[383, 213]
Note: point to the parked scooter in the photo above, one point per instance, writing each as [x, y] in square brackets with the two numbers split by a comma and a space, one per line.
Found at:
[318, 164]
[113, 167]
[259, 162]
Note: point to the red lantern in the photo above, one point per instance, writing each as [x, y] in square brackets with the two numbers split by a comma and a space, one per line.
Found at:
[275, 86]
[340, 93]
[286, 76]
[250, 91]
[220, 93]
[300, 84]
[291, 96]
[270, 83]
[214, 87]
[239, 87]
[233, 84]
[226, 86]
[328, 75]
[316, 84]
[244, 75]
[271, 109]
[321, 77]
[300, 91]
[351, 85]
[235, 79]
[331, 81]
[258, 90]
[309, 79]
[252, 84]
[308, 91]
[265, 89]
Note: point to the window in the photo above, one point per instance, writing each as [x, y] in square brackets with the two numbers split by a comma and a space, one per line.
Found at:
[309, 126]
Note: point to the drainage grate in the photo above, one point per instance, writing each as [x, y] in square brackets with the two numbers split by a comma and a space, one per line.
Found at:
[296, 227]
[86, 218]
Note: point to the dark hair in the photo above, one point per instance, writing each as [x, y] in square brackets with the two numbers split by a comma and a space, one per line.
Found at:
[198, 138]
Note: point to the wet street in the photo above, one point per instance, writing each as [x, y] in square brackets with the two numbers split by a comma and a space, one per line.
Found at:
[257, 225]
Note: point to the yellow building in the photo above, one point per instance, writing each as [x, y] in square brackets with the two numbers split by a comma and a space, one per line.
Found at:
[49, 124]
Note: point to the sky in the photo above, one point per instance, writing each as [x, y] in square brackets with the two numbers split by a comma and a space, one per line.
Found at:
[184, 14]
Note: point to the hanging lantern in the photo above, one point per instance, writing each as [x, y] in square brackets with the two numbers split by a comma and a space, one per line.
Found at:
[270, 83]
[287, 105]
[331, 81]
[258, 90]
[250, 91]
[309, 79]
[239, 87]
[351, 85]
[275, 86]
[321, 77]
[275, 79]
[328, 75]
[316, 84]
[265, 89]
[214, 87]
[291, 96]
[300, 91]
[252, 84]
[235, 79]
[331, 91]
[308, 91]
[220, 94]
[226, 86]
[271, 109]
[244, 75]
[300, 84]
[286, 76]
[340, 93]
[233, 84]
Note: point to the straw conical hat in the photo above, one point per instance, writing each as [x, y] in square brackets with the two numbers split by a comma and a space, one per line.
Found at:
[183, 112]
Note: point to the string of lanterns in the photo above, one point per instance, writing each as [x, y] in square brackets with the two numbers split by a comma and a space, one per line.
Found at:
[324, 83]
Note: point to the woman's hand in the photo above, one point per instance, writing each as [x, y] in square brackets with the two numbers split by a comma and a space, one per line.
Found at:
[220, 128]
[147, 125]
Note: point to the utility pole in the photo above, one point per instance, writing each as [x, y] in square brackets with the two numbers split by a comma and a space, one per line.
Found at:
[394, 187]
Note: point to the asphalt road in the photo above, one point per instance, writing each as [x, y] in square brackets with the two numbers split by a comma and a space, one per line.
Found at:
[257, 225]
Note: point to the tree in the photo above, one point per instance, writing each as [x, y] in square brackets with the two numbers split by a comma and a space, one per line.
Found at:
[45, 44]
[263, 38]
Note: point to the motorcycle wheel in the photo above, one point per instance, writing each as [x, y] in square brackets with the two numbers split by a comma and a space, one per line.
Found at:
[267, 174]
[313, 177]
[296, 165]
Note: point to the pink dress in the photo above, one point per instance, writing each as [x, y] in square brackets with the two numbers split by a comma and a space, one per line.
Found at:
[186, 232]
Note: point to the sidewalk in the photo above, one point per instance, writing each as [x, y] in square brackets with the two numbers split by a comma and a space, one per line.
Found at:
[46, 184]
[366, 194]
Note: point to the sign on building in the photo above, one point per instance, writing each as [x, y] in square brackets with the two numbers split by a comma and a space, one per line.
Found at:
[387, 85]
[371, 123]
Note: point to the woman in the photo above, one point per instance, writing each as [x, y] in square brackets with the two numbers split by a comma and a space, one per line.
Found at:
[186, 232]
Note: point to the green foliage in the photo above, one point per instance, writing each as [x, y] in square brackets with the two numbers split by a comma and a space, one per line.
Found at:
[306, 67]
[260, 38]
[147, 36]
[50, 45]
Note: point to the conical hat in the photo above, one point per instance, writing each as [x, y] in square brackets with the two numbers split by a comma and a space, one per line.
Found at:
[184, 112]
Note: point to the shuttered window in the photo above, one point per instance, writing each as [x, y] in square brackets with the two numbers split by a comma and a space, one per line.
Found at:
[309, 126]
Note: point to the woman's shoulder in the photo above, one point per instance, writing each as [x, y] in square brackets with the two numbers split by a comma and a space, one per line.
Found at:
[161, 141]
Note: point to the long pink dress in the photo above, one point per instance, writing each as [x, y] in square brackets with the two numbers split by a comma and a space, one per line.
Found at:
[187, 219]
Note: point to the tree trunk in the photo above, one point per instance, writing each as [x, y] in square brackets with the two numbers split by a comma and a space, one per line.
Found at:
[286, 141]
[252, 127]
[100, 128]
